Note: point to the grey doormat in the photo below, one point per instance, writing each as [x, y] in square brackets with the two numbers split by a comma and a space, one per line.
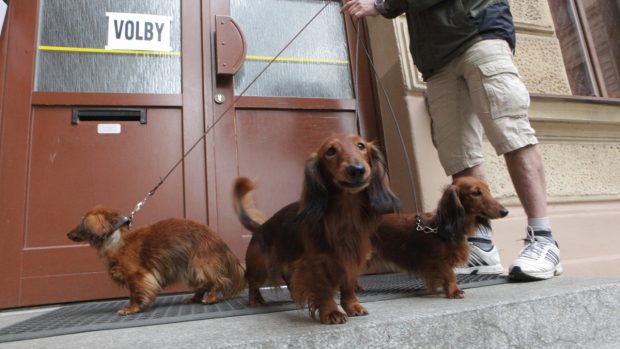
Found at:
[101, 315]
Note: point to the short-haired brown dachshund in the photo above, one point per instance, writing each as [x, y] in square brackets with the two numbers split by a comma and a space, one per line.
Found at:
[147, 259]
[432, 244]
[321, 244]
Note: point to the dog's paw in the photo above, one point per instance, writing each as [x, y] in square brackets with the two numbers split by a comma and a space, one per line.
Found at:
[130, 309]
[457, 294]
[356, 309]
[334, 317]
[209, 300]
[192, 299]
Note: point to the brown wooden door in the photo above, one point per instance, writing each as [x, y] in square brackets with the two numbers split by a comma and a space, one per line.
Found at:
[307, 94]
[53, 169]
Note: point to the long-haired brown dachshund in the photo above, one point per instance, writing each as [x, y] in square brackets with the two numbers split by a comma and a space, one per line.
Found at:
[147, 259]
[321, 244]
[429, 244]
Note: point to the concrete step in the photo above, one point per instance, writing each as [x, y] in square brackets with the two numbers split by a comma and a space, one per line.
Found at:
[564, 312]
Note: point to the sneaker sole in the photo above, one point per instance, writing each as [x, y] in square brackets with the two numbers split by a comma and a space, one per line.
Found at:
[487, 269]
[518, 275]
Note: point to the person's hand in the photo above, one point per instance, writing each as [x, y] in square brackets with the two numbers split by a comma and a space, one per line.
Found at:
[359, 8]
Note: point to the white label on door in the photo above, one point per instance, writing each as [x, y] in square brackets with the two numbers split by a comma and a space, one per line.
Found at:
[133, 31]
[108, 129]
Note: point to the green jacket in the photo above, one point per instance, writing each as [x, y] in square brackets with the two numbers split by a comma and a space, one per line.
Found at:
[441, 30]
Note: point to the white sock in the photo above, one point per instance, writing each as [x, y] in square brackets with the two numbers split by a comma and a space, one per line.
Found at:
[482, 238]
[539, 223]
[482, 232]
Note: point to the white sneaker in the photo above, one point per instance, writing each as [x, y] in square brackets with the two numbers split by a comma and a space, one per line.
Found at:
[538, 260]
[481, 261]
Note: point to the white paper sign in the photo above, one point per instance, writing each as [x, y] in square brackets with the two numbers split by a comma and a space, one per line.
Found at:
[134, 31]
[108, 129]
[3, 7]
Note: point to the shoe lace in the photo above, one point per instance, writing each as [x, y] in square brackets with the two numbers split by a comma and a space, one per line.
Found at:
[533, 248]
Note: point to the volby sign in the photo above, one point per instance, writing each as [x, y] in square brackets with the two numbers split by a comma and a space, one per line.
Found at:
[133, 31]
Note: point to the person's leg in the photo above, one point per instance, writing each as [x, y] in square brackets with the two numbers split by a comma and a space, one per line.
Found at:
[525, 166]
[540, 257]
[456, 131]
[501, 101]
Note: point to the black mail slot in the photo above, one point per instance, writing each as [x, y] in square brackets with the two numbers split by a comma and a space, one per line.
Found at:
[108, 114]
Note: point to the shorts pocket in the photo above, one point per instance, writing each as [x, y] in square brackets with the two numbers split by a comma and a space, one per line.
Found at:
[505, 90]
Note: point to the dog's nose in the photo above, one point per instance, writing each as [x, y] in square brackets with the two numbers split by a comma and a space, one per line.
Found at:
[503, 212]
[356, 171]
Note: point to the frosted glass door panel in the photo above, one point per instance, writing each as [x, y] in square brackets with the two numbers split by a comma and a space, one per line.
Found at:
[72, 54]
[315, 65]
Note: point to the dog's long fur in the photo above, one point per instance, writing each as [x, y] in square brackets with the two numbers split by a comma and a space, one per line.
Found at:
[464, 205]
[147, 259]
[321, 244]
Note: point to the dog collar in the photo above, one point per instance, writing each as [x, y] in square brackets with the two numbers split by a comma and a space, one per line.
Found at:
[119, 223]
[424, 228]
[430, 230]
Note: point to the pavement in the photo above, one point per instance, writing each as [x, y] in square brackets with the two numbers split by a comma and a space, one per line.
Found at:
[564, 312]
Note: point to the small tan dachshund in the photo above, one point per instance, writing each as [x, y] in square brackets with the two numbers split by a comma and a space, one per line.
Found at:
[147, 259]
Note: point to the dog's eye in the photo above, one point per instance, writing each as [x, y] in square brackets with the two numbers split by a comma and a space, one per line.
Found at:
[331, 151]
[476, 192]
[361, 146]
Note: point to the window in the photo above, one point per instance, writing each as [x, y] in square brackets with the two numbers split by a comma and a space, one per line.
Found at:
[315, 65]
[72, 52]
[588, 32]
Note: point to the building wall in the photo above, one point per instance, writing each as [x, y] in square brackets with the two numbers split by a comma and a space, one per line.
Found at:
[579, 141]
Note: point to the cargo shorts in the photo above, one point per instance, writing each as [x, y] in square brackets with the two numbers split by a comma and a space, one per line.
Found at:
[478, 93]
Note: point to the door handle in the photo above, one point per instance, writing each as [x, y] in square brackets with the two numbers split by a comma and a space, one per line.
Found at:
[230, 47]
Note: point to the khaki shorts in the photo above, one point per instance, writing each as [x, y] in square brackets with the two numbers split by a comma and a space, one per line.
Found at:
[481, 90]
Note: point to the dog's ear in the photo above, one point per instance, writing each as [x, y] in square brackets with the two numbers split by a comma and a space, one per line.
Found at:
[314, 196]
[380, 196]
[451, 215]
[97, 224]
[92, 229]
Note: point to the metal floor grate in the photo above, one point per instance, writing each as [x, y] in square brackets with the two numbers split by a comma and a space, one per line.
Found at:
[101, 315]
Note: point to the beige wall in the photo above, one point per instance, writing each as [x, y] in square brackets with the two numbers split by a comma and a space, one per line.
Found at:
[579, 141]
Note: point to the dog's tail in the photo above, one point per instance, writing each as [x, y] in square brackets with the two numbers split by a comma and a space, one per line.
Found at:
[249, 216]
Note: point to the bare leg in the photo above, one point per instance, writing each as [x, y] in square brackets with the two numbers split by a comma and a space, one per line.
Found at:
[526, 170]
